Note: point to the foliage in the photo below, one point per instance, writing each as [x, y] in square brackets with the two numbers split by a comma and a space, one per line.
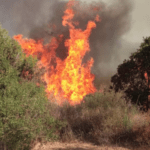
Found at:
[130, 74]
[23, 114]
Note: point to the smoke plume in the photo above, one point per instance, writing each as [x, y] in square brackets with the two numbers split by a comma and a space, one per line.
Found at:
[43, 19]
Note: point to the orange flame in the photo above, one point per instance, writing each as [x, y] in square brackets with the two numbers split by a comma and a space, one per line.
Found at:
[146, 76]
[70, 79]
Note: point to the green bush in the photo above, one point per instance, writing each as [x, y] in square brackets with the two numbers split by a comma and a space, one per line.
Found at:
[23, 113]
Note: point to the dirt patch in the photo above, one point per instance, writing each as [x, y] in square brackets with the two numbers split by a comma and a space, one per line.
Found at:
[74, 146]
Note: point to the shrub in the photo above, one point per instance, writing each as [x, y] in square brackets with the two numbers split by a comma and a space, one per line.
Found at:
[23, 114]
[100, 118]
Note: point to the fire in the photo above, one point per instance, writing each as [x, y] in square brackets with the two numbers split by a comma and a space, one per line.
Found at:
[146, 76]
[69, 79]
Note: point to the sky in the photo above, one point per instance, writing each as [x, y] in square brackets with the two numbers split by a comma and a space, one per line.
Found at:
[140, 21]
[121, 31]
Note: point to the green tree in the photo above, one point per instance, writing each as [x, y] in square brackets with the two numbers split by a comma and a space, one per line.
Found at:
[133, 75]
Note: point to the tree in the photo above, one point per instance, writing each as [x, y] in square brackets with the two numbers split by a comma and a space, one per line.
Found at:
[133, 75]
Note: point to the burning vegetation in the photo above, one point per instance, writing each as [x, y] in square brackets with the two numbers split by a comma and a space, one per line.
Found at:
[68, 79]
[81, 112]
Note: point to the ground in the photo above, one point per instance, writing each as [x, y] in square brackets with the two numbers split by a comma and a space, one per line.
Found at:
[80, 146]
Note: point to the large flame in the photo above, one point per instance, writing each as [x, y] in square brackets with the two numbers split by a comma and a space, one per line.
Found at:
[68, 79]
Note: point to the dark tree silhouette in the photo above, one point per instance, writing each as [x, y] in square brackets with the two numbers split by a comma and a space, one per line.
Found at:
[133, 76]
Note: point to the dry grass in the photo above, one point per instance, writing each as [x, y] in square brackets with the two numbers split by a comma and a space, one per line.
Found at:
[104, 118]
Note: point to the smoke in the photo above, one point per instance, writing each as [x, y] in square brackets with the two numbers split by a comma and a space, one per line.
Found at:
[43, 19]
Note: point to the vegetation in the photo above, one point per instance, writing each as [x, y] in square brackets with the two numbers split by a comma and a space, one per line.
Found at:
[103, 118]
[133, 76]
[26, 115]
[23, 114]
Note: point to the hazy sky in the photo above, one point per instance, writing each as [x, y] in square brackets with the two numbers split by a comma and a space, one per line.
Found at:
[128, 27]
[140, 21]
